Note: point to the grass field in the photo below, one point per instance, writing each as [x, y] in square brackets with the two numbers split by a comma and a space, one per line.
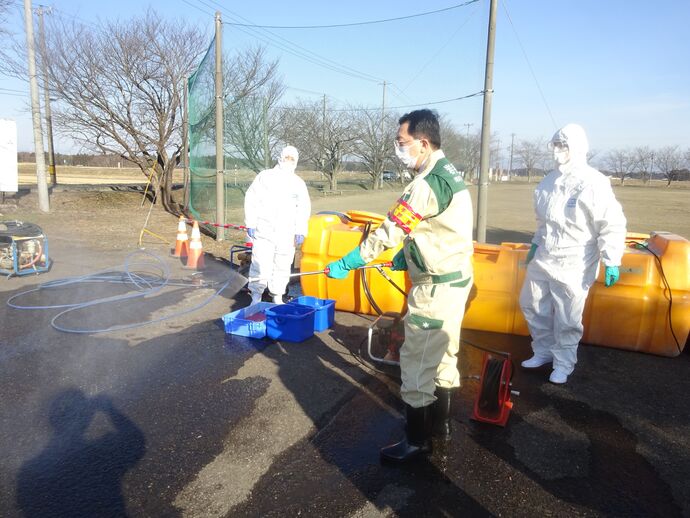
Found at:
[652, 207]
[510, 216]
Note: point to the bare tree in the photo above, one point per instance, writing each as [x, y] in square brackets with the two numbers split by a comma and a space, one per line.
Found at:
[5, 34]
[119, 88]
[530, 153]
[453, 143]
[251, 125]
[323, 137]
[642, 158]
[374, 144]
[592, 155]
[620, 162]
[301, 127]
[473, 147]
[669, 160]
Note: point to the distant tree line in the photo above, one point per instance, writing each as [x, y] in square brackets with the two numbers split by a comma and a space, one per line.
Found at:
[669, 163]
[80, 159]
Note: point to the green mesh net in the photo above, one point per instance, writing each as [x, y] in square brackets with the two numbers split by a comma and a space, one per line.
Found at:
[202, 138]
[245, 139]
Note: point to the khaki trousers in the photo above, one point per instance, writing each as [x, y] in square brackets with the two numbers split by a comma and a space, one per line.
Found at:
[428, 358]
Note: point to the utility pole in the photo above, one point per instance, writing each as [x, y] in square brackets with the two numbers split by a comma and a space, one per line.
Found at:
[510, 167]
[46, 94]
[497, 161]
[467, 150]
[322, 148]
[220, 155]
[482, 194]
[186, 180]
[383, 145]
[264, 116]
[43, 200]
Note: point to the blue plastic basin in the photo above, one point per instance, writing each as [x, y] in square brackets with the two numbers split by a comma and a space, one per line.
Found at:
[290, 322]
[324, 311]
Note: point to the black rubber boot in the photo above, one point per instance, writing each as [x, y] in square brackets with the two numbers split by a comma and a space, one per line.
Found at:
[441, 413]
[417, 441]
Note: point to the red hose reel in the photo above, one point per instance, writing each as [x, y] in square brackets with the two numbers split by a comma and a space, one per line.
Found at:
[492, 403]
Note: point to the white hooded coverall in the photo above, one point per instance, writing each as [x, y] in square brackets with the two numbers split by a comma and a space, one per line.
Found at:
[277, 207]
[579, 222]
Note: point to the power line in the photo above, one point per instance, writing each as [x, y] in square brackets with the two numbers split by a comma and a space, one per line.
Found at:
[371, 22]
[475, 94]
[64, 14]
[11, 90]
[432, 58]
[320, 94]
[297, 50]
[195, 7]
[388, 108]
[534, 76]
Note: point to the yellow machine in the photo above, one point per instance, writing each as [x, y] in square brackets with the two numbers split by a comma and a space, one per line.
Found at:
[648, 310]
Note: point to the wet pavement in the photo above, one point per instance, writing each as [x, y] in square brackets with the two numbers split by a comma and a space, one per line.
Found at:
[180, 419]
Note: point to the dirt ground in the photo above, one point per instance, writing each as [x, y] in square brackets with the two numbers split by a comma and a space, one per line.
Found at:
[115, 220]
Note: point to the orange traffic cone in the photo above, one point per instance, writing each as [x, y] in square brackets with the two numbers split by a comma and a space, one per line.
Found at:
[182, 242]
[196, 254]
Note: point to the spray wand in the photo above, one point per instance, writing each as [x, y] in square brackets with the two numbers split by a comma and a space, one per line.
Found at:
[327, 270]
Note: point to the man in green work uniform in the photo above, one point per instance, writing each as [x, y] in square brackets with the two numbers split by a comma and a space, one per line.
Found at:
[433, 219]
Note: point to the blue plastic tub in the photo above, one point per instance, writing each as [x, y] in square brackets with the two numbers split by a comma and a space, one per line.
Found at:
[325, 311]
[290, 322]
[249, 321]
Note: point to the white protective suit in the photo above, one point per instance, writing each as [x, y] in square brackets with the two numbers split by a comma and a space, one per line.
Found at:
[579, 223]
[277, 207]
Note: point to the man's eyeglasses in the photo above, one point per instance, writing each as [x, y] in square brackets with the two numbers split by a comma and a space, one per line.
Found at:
[557, 146]
[399, 144]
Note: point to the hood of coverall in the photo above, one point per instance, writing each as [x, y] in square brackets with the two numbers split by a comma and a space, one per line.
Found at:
[289, 157]
[573, 136]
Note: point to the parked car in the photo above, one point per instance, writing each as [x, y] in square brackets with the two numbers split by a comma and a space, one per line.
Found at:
[390, 175]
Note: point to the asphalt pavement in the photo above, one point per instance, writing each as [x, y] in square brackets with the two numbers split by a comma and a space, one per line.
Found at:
[178, 418]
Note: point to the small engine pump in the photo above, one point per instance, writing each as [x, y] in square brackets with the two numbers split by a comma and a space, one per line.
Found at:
[23, 249]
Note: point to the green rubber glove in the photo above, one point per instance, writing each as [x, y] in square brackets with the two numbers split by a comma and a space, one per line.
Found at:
[532, 251]
[399, 262]
[611, 275]
[340, 268]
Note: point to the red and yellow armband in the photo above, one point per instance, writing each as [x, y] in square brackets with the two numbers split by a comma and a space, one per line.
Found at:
[403, 215]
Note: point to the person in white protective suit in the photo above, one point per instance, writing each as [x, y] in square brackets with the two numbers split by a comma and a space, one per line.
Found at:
[276, 214]
[433, 221]
[579, 223]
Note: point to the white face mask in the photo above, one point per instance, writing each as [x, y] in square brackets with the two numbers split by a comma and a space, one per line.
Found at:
[403, 154]
[561, 155]
[288, 165]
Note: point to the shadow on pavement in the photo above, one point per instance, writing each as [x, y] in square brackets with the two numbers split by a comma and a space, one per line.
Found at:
[80, 471]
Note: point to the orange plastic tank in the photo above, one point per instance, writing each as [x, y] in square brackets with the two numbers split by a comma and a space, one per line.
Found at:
[637, 313]
[651, 301]
[333, 235]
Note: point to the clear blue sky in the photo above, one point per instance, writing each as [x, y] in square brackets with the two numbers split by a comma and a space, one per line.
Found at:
[619, 68]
